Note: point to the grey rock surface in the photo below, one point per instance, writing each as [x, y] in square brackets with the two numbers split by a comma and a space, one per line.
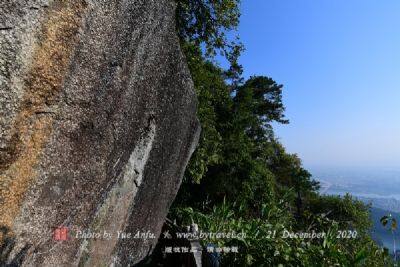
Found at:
[97, 124]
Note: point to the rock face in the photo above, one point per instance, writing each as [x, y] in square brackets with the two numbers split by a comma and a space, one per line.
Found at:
[97, 124]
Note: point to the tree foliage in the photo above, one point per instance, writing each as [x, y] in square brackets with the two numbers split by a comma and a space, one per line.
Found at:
[240, 177]
[206, 24]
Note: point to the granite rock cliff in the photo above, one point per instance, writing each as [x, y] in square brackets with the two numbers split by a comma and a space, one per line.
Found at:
[97, 124]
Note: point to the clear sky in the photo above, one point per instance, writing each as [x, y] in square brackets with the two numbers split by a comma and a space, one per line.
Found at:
[339, 62]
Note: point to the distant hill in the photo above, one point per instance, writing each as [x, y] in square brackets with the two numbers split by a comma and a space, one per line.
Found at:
[389, 204]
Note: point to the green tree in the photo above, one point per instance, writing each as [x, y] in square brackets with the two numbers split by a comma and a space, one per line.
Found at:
[240, 177]
[206, 24]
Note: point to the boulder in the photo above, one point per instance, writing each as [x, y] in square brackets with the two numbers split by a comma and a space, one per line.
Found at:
[97, 124]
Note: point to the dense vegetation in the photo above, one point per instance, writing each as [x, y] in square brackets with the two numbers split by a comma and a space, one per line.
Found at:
[240, 178]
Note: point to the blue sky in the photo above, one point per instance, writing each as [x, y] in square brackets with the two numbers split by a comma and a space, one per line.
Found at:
[339, 62]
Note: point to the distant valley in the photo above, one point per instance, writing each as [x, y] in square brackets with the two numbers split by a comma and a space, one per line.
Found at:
[378, 187]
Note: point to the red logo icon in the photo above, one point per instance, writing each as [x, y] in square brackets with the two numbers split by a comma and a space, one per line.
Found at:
[60, 233]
